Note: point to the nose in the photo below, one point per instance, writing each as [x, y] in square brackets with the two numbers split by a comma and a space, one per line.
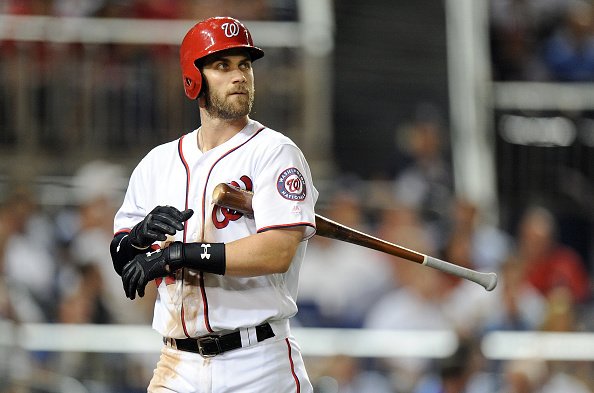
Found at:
[239, 76]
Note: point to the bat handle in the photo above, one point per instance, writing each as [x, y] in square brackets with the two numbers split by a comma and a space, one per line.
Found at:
[487, 280]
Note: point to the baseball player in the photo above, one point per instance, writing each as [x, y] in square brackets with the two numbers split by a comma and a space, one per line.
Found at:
[226, 281]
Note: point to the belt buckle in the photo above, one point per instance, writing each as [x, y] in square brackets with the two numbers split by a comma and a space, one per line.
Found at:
[208, 340]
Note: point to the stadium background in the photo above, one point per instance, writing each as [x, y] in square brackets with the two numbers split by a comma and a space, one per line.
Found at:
[88, 87]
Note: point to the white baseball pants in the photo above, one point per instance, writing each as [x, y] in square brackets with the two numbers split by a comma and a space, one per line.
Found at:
[271, 366]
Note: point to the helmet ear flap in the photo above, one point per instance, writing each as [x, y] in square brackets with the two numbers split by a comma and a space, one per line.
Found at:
[192, 83]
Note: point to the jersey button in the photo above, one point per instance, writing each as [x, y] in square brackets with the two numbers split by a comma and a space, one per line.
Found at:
[194, 236]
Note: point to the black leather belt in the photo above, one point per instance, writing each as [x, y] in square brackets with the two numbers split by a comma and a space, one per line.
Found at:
[212, 345]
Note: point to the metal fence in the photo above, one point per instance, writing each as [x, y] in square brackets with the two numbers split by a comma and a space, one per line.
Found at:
[116, 358]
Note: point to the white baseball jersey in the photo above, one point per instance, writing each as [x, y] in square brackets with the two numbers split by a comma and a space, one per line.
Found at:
[177, 173]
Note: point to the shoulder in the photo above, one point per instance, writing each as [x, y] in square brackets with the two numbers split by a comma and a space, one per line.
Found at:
[271, 145]
[161, 154]
[270, 137]
[167, 149]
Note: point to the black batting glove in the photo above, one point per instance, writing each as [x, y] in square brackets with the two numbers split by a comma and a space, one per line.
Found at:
[146, 267]
[160, 222]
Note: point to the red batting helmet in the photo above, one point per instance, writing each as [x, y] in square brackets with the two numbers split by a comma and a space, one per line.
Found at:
[207, 37]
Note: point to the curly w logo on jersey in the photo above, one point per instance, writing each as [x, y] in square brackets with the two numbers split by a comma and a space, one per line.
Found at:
[221, 216]
[291, 185]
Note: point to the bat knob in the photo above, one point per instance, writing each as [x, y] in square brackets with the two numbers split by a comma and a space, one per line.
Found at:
[490, 281]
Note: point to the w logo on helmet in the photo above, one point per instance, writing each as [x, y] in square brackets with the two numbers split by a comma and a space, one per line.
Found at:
[230, 29]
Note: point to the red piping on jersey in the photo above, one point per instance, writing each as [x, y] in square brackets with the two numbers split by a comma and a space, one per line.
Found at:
[297, 224]
[297, 383]
[202, 287]
[187, 168]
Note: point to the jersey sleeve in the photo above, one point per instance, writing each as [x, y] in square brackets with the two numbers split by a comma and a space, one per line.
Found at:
[284, 194]
[133, 209]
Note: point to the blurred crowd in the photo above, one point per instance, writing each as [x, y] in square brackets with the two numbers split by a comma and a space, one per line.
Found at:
[89, 95]
[67, 98]
[542, 40]
[155, 9]
[55, 267]
[544, 285]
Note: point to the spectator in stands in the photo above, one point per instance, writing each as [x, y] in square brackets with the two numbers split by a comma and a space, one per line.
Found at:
[415, 301]
[569, 52]
[83, 302]
[489, 245]
[464, 303]
[155, 9]
[247, 10]
[98, 190]
[415, 305]
[359, 275]
[424, 182]
[534, 376]
[29, 266]
[517, 28]
[401, 224]
[458, 373]
[346, 374]
[563, 315]
[90, 290]
[29, 7]
[519, 306]
[77, 8]
[547, 263]
[523, 376]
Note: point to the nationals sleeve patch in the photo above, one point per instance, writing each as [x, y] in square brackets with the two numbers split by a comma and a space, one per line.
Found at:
[291, 185]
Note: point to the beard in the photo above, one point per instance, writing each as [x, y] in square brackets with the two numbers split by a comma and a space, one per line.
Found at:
[224, 106]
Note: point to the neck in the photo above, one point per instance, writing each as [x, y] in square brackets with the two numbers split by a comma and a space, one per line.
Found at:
[215, 132]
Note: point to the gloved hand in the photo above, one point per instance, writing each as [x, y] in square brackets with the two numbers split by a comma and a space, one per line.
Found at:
[146, 267]
[160, 222]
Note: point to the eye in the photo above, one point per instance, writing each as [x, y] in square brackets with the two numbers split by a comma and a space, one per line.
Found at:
[221, 65]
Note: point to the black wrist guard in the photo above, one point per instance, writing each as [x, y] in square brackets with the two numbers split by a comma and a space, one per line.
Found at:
[206, 257]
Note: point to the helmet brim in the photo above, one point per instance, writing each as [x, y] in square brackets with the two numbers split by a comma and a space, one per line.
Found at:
[254, 53]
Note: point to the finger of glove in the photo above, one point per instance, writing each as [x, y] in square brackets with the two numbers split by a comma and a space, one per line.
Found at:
[179, 216]
[140, 289]
[166, 223]
[126, 284]
[186, 214]
[169, 211]
[126, 277]
[129, 279]
[133, 285]
[128, 270]
[157, 235]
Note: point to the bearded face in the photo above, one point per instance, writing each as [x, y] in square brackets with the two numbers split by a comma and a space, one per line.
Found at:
[229, 104]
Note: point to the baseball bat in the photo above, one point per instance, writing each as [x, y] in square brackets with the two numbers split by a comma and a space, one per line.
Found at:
[234, 198]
